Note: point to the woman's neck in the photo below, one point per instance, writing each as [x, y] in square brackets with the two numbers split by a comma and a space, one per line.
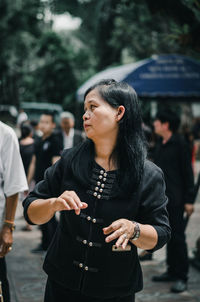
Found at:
[103, 151]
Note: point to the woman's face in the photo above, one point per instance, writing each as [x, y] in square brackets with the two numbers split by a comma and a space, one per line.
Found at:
[100, 120]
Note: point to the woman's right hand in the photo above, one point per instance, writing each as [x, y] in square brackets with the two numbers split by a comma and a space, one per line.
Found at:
[67, 201]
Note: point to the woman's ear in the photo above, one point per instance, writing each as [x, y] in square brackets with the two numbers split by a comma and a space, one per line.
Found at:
[120, 112]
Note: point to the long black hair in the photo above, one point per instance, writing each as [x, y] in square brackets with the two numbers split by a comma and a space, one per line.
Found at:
[130, 151]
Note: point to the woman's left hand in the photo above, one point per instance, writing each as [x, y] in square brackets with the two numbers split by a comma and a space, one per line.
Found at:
[122, 229]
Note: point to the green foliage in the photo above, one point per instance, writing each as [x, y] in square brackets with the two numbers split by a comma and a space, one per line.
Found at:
[19, 28]
[37, 64]
[136, 28]
[34, 65]
[55, 74]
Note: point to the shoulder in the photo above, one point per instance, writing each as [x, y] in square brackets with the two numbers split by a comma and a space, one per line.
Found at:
[150, 167]
[179, 139]
[68, 158]
[58, 133]
[78, 158]
[53, 139]
[153, 182]
[151, 172]
[37, 141]
[8, 135]
[76, 151]
[7, 130]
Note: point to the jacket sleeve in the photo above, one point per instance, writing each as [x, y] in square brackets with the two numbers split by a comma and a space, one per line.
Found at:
[47, 188]
[153, 202]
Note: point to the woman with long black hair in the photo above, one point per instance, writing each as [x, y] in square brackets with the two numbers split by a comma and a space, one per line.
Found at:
[112, 200]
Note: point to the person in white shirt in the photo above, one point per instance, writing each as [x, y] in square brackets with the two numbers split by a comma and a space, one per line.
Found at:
[12, 181]
[69, 137]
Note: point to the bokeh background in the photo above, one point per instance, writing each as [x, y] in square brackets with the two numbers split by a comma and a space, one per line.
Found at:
[49, 48]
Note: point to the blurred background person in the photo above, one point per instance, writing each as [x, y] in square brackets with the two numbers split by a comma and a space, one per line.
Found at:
[22, 117]
[36, 131]
[68, 136]
[46, 153]
[189, 138]
[26, 144]
[196, 128]
[195, 260]
[172, 155]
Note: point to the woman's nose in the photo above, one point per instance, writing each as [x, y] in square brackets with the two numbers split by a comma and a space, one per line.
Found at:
[85, 116]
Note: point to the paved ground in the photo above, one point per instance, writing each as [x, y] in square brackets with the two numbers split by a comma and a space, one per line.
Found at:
[28, 280]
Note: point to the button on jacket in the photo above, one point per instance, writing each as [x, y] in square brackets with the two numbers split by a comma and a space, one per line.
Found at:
[78, 257]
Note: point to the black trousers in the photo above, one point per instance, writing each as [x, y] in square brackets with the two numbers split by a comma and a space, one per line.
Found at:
[4, 280]
[177, 255]
[55, 292]
[48, 230]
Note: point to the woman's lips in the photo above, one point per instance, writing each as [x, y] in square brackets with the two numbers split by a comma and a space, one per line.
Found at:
[86, 126]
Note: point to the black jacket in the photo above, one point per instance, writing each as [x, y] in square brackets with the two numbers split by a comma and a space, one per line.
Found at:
[78, 257]
[174, 160]
[78, 138]
[44, 151]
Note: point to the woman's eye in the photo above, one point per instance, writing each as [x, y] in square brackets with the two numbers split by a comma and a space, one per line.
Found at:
[92, 107]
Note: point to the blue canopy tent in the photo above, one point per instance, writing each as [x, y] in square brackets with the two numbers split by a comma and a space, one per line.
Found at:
[159, 77]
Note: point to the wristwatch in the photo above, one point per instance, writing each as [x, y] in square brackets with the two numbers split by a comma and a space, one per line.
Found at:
[136, 233]
[10, 225]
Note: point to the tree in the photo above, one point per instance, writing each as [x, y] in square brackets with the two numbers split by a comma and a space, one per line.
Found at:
[19, 28]
[34, 64]
[55, 74]
[120, 29]
[186, 15]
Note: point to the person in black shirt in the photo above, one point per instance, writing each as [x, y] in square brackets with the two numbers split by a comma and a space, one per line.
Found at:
[173, 157]
[26, 145]
[111, 201]
[46, 153]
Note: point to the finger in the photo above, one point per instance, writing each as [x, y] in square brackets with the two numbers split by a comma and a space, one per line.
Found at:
[125, 243]
[84, 205]
[71, 202]
[77, 212]
[4, 250]
[9, 249]
[63, 205]
[113, 227]
[76, 199]
[120, 240]
[71, 195]
[66, 206]
[114, 235]
[1, 255]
